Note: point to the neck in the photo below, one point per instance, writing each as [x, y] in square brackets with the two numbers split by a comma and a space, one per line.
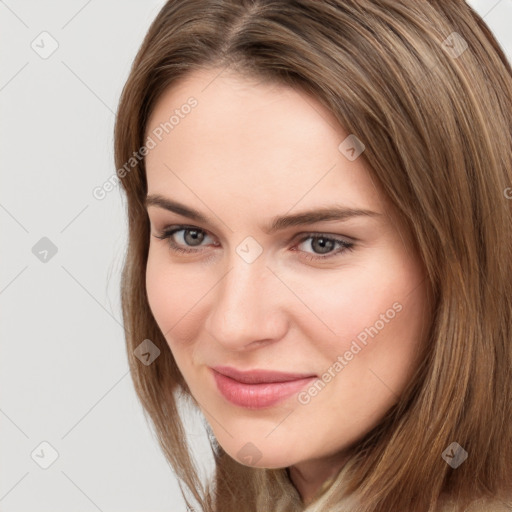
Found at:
[312, 478]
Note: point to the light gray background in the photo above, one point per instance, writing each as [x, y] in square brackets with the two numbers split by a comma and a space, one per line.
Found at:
[64, 371]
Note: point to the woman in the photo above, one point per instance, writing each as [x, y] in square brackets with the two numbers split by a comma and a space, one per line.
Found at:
[319, 259]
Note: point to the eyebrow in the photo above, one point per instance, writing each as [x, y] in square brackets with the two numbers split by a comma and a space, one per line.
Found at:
[334, 212]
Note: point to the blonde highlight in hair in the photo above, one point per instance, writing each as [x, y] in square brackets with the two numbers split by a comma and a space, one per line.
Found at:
[437, 129]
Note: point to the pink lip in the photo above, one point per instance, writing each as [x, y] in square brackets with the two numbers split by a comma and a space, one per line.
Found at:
[258, 388]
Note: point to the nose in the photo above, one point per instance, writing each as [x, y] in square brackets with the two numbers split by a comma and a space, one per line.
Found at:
[247, 306]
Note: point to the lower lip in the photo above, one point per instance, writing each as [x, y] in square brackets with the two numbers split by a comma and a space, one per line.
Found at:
[258, 396]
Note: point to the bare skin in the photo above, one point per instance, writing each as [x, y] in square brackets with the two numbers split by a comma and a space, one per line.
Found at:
[309, 477]
[244, 155]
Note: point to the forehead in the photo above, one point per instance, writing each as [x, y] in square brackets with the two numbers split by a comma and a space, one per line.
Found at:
[251, 140]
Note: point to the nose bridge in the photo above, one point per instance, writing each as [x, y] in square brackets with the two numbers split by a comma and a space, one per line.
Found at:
[244, 307]
[242, 288]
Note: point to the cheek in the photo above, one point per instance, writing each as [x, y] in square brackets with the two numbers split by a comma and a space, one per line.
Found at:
[377, 319]
[381, 339]
[369, 363]
[347, 303]
[174, 298]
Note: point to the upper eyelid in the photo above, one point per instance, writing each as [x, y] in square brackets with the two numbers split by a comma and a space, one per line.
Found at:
[334, 212]
[174, 228]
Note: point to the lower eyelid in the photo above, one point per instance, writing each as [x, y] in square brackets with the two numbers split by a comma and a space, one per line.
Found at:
[169, 232]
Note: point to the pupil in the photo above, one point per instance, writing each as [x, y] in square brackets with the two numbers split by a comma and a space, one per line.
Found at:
[324, 244]
[196, 236]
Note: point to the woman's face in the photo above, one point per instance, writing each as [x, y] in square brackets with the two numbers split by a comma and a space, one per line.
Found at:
[266, 283]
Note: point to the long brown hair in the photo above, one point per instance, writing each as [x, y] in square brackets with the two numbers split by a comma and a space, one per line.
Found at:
[426, 87]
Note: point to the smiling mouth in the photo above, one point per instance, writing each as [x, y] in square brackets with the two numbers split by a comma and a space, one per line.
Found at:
[258, 376]
[258, 395]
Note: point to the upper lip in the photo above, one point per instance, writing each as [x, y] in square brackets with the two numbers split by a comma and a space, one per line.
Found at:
[258, 376]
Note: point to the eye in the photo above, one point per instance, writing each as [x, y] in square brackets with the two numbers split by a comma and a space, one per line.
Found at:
[191, 238]
[323, 246]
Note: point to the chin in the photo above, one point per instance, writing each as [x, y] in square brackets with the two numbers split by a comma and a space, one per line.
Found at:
[253, 456]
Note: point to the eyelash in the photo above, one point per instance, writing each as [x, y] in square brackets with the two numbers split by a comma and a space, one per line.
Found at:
[171, 230]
